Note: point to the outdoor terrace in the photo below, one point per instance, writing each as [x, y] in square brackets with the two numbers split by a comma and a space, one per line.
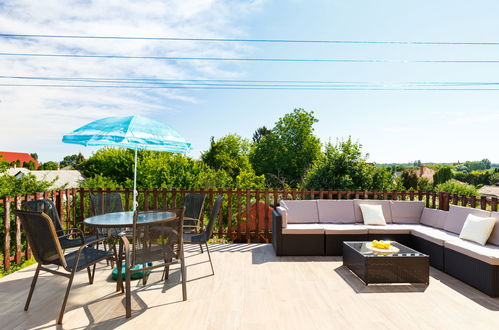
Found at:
[251, 289]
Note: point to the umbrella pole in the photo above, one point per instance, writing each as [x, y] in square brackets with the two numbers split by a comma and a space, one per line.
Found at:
[135, 183]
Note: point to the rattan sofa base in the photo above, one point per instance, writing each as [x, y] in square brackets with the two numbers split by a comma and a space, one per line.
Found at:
[334, 242]
[478, 274]
[435, 251]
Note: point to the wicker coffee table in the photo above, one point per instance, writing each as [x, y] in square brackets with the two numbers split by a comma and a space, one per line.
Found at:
[405, 266]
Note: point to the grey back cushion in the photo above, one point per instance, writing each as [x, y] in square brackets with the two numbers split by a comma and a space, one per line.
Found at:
[301, 211]
[406, 211]
[385, 205]
[457, 216]
[433, 218]
[335, 211]
[494, 237]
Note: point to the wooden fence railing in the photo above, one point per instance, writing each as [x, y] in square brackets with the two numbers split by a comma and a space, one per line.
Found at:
[239, 205]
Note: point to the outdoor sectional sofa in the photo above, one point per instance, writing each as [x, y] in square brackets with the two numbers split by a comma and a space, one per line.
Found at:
[319, 227]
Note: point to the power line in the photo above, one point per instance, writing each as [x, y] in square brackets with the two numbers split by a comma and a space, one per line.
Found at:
[11, 35]
[234, 82]
[251, 87]
[175, 58]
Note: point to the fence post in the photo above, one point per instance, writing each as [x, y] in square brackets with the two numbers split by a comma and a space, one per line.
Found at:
[17, 203]
[6, 228]
[82, 207]
[248, 206]
[229, 214]
[483, 202]
[493, 204]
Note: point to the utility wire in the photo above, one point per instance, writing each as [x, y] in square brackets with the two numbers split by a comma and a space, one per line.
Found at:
[251, 87]
[243, 83]
[174, 58]
[12, 35]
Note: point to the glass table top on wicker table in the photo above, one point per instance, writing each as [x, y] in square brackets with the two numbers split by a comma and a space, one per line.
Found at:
[405, 266]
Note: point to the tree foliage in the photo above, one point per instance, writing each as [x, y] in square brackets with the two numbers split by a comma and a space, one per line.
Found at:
[229, 153]
[73, 160]
[288, 151]
[112, 168]
[454, 187]
[344, 167]
[50, 165]
[442, 175]
[409, 179]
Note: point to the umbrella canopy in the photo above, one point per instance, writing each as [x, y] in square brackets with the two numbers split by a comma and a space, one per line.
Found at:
[134, 132]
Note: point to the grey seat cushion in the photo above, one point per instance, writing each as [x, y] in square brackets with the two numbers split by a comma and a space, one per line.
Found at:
[303, 229]
[434, 235]
[344, 229]
[391, 229]
[487, 253]
[301, 211]
[433, 218]
[494, 237]
[406, 211]
[335, 211]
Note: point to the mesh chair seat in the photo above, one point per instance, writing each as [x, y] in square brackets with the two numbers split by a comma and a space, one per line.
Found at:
[194, 238]
[88, 256]
[67, 243]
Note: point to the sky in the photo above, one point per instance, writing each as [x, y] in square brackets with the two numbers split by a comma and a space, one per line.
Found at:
[392, 125]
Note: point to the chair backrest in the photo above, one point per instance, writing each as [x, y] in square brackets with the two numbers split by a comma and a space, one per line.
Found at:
[194, 204]
[160, 239]
[105, 203]
[213, 216]
[46, 206]
[42, 237]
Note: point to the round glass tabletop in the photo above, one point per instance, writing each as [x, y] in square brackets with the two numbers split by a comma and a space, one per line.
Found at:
[125, 219]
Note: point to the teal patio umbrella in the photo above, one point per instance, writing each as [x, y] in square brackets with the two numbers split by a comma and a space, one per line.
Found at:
[133, 132]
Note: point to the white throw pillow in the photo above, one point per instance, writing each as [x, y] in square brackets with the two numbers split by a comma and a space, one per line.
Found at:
[477, 229]
[372, 214]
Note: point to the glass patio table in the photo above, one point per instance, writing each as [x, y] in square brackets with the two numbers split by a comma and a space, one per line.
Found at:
[123, 220]
[405, 266]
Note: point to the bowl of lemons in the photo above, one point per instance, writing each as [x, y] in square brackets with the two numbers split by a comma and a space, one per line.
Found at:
[382, 247]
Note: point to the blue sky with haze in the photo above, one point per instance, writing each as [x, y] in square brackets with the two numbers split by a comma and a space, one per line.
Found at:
[393, 126]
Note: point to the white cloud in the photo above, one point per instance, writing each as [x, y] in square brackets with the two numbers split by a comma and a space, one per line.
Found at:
[34, 118]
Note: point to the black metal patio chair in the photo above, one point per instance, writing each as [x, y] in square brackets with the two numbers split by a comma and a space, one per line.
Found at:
[205, 235]
[105, 203]
[47, 206]
[194, 205]
[159, 241]
[47, 250]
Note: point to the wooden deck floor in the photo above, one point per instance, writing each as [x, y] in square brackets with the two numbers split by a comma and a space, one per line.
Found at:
[252, 289]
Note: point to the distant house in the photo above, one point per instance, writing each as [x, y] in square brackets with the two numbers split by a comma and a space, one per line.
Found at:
[489, 191]
[426, 172]
[63, 179]
[422, 172]
[18, 156]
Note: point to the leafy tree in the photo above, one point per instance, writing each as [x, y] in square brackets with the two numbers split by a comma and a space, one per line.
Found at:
[344, 167]
[454, 187]
[35, 156]
[29, 165]
[260, 133]
[288, 151]
[49, 166]
[442, 175]
[409, 179]
[73, 160]
[229, 153]
[26, 184]
[483, 164]
[424, 184]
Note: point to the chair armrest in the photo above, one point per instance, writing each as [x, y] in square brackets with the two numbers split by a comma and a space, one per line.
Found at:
[73, 231]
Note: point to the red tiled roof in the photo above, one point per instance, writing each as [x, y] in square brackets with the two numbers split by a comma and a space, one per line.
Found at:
[14, 156]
